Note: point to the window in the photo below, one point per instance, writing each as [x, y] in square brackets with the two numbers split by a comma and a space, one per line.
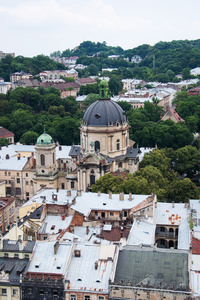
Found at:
[97, 146]
[53, 158]
[5, 254]
[125, 213]
[18, 191]
[62, 186]
[10, 211]
[111, 213]
[120, 164]
[0, 219]
[18, 180]
[26, 174]
[27, 183]
[41, 292]
[8, 173]
[96, 213]
[15, 292]
[42, 160]
[72, 185]
[26, 256]
[101, 298]
[5, 173]
[27, 194]
[72, 297]
[29, 291]
[16, 255]
[18, 174]
[4, 292]
[118, 144]
[87, 298]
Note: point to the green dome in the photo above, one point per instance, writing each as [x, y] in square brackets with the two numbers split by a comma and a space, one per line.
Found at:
[45, 139]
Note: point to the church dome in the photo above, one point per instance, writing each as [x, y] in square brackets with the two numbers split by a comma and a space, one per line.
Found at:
[45, 139]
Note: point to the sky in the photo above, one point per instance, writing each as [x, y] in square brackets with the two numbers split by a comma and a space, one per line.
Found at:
[30, 27]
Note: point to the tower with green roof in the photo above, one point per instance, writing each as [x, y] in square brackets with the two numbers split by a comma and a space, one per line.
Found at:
[46, 169]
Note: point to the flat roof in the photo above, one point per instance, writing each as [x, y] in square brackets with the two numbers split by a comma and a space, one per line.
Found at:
[170, 214]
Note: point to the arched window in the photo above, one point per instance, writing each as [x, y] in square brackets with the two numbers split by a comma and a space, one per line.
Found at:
[92, 178]
[42, 160]
[97, 146]
[120, 164]
[118, 144]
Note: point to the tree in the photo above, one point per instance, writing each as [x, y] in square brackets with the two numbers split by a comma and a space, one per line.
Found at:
[3, 142]
[108, 183]
[187, 160]
[157, 159]
[29, 137]
[182, 191]
[125, 105]
[115, 85]
[89, 100]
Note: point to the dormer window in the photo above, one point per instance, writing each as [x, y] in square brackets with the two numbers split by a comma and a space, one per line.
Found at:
[97, 116]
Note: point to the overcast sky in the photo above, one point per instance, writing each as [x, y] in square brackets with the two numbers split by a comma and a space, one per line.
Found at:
[32, 27]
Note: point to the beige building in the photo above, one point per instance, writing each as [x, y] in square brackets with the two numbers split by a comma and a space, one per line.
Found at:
[105, 145]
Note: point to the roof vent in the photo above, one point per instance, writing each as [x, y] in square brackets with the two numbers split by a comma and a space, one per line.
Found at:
[77, 253]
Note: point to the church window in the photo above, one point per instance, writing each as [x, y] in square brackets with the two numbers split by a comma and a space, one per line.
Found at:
[42, 159]
[118, 144]
[53, 158]
[120, 164]
[72, 185]
[97, 146]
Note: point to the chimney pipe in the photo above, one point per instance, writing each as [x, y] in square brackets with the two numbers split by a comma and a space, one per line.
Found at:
[172, 204]
[96, 265]
[130, 196]
[121, 196]
[69, 194]
[99, 193]
[56, 245]
[110, 195]
[87, 230]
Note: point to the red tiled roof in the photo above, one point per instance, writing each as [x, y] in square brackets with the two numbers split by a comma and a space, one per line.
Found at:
[61, 86]
[145, 203]
[86, 80]
[195, 246]
[122, 173]
[5, 133]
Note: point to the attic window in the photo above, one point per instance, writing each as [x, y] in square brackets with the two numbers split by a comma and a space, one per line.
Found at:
[97, 116]
[52, 227]
[42, 141]
[37, 266]
[104, 203]
[58, 267]
[98, 280]
[79, 279]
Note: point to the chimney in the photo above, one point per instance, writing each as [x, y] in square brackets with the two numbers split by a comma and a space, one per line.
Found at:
[18, 157]
[57, 190]
[99, 193]
[77, 253]
[96, 265]
[155, 204]
[87, 230]
[130, 196]
[121, 196]
[60, 148]
[110, 195]
[21, 245]
[56, 245]
[54, 197]
[7, 156]
[172, 204]
[69, 193]
[79, 193]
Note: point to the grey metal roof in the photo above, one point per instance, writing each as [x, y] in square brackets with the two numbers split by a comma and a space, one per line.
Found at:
[132, 152]
[15, 267]
[103, 111]
[160, 268]
[36, 214]
[13, 246]
[75, 150]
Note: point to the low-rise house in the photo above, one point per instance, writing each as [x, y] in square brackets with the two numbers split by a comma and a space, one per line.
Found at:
[4, 133]
[171, 114]
[7, 211]
[34, 83]
[14, 77]
[5, 87]
[84, 81]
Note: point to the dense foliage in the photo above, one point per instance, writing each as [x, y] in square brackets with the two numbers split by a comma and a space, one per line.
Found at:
[156, 175]
[35, 65]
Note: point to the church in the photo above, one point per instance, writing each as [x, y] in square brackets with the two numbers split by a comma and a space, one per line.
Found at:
[104, 148]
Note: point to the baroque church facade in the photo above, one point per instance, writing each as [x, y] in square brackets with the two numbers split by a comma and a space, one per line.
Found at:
[104, 148]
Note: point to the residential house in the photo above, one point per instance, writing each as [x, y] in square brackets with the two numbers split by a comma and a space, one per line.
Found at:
[4, 133]
[171, 114]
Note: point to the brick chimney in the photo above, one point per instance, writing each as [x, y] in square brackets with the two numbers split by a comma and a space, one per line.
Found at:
[121, 196]
[110, 195]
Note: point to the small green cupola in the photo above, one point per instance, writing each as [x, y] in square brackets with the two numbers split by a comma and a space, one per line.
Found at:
[44, 139]
[103, 89]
